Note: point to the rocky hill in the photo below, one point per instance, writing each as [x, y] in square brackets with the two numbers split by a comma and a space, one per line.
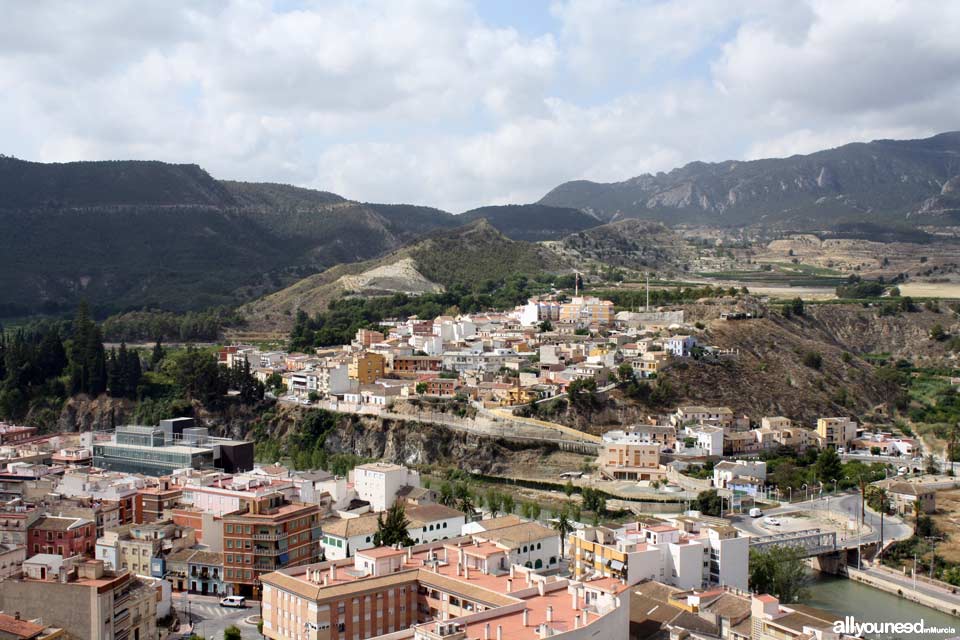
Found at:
[464, 256]
[631, 243]
[533, 222]
[881, 181]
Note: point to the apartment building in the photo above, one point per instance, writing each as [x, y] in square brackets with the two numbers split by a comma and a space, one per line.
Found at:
[442, 591]
[687, 554]
[14, 434]
[836, 432]
[267, 534]
[586, 310]
[725, 473]
[15, 523]
[65, 536]
[83, 598]
[157, 500]
[142, 548]
[379, 482]
[634, 454]
[367, 367]
[365, 338]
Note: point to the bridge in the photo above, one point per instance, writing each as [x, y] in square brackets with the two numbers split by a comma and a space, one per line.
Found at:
[813, 542]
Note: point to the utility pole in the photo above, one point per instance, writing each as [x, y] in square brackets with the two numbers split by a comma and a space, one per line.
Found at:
[648, 292]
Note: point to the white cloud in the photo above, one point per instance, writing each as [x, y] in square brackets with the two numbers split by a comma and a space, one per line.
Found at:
[425, 101]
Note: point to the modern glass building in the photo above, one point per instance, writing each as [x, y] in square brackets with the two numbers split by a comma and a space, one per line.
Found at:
[150, 451]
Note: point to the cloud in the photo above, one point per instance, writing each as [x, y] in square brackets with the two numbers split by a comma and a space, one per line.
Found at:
[430, 102]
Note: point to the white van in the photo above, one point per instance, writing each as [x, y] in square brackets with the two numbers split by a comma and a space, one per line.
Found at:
[755, 513]
[238, 602]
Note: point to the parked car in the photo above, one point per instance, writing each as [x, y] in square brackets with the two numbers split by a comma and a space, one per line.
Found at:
[755, 513]
[237, 602]
[773, 522]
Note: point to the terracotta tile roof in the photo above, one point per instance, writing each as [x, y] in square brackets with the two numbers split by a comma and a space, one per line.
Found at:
[19, 628]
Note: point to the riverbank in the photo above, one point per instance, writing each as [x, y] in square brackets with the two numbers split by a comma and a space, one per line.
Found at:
[844, 597]
[902, 586]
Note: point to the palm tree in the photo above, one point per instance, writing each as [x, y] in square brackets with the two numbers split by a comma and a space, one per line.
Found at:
[563, 526]
[917, 512]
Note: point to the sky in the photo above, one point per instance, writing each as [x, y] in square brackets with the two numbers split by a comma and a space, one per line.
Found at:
[458, 104]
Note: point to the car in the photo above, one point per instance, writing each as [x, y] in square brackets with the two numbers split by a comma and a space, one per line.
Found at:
[773, 522]
[755, 512]
[236, 602]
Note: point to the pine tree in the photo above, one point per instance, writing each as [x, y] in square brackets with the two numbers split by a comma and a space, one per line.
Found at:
[393, 529]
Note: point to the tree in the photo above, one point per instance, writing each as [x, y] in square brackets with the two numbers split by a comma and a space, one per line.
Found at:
[594, 501]
[494, 502]
[231, 633]
[447, 496]
[780, 572]
[563, 526]
[569, 488]
[393, 529]
[812, 359]
[508, 503]
[828, 466]
[937, 333]
[158, 354]
[464, 498]
[917, 513]
[796, 306]
[709, 503]
[421, 388]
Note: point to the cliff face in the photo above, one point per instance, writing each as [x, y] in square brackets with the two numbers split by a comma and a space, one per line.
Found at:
[82, 413]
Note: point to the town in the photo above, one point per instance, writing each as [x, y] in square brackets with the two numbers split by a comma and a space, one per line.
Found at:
[166, 530]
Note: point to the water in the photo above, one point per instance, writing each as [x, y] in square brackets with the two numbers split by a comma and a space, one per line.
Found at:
[844, 597]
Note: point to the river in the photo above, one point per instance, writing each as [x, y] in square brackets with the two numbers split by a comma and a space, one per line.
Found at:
[845, 597]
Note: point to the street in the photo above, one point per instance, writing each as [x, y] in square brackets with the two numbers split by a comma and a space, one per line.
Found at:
[210, 619]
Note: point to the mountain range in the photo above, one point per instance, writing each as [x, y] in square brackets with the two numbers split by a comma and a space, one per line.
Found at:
[890, 181]
[145, 234]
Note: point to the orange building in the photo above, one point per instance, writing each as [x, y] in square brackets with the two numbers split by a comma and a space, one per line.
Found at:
[367, 368]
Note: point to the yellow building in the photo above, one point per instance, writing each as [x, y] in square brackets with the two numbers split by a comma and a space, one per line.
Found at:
[367, 367]
[587, 310]
[836, 432]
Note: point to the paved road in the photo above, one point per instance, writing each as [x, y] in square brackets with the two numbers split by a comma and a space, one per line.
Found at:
[210, 619]
[843, 503]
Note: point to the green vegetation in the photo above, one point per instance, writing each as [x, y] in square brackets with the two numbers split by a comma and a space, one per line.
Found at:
[709, 503]
[780, 572]
[631, 299]
[393, 529]
[201, 326]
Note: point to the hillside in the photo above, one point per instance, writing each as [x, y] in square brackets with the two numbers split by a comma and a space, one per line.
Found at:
[533, 222]
[134, 234]
[465, 256]
[631, 244]
[886, 181]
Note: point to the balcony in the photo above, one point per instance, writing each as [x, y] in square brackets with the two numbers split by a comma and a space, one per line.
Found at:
[268, 551]
[269, 536]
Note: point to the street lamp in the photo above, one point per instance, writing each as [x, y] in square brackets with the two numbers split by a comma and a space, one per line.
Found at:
[790, 494]
[804, 487]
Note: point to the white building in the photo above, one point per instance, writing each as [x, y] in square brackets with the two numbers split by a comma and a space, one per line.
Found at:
[724, 473]
[687, 554]
[379, 482]
[432, 522]
[709, 438]
[679, 346]
[343, 537]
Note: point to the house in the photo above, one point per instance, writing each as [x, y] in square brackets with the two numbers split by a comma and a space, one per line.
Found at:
[343, 537]
[431, 522]
[679, 346]
[67, 536]
[904, 495]
[728, 470]
[630, 456]
[379, 482]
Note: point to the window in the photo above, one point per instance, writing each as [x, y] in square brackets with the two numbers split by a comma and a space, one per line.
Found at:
[229, 528]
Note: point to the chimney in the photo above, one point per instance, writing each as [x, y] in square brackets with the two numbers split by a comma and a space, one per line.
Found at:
[446, 555]
[549, 613]
[576, 622]
[526, 617]
[574, 601]
[333, 572]
[499, 632]
[529, 579]
[466, 572]
[540, 587]
[16, 616]
[509, 585]
[459, 567]
[486, 631]
[512, 569]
